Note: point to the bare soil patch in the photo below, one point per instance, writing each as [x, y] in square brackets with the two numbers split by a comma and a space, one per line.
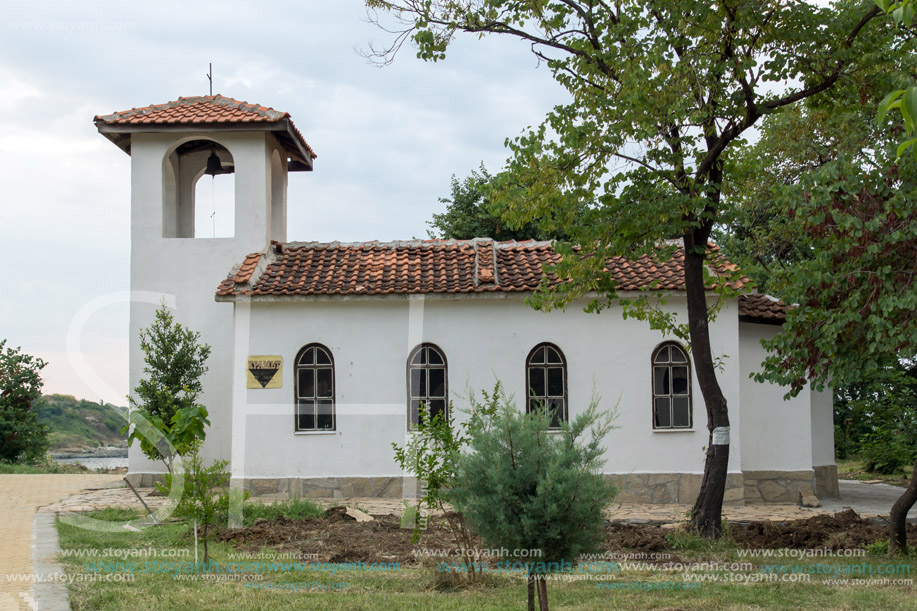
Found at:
[340, 538]
[844, 530]
[621, 537]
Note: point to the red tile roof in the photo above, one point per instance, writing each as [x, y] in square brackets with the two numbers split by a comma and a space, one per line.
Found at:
[429, 266]
[201, 111]
[762, 307]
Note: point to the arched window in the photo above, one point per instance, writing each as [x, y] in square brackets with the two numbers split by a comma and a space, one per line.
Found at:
[671, 388]
[546, 380]
[314, 389]
[427, 383]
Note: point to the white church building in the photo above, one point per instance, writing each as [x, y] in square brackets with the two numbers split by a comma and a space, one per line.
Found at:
[324, 353]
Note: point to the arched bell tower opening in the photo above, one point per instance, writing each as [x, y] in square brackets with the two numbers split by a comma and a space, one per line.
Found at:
[202, 167]
[199, 191]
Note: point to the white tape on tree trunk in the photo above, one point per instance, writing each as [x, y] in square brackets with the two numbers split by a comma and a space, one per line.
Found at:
[721, 436]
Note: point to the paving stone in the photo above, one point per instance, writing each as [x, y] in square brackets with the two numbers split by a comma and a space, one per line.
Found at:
[21, 496]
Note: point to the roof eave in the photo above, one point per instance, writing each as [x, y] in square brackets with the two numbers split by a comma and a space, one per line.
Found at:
[120, 135]
[487, 294]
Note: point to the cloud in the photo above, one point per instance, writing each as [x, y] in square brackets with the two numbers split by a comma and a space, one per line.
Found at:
[388, 139]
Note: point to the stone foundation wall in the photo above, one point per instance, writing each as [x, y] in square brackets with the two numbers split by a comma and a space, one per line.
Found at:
[654, 488]
[826, 485]
[660, 488]
[145, 480]
[632, 488]
[777, 486]
[328, 487]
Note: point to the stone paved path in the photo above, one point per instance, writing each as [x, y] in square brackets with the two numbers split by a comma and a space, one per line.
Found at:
[20, 497]
[122, 497]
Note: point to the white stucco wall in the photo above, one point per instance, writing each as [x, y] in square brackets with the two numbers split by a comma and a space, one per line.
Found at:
[191, 268]
[776, 433]
[822, 427]
[483, 340]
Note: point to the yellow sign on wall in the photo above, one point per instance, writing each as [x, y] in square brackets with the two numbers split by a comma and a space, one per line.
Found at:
[264, 372]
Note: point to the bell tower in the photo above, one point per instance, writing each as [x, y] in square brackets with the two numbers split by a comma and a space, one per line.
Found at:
[172, 147]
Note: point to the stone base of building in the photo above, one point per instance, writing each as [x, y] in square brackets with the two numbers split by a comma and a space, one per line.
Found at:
[661, 488]
[330, 487]
[653, 488]
[145, 480]
[826, 485]
[777, 486]
[657, 488]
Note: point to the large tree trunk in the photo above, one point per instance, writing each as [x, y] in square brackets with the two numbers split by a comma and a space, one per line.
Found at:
[897, 528]
[531, 592]
[707, 515]
[542, 593]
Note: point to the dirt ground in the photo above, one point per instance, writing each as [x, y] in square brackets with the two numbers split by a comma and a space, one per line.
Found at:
[339, 538]
[844, 530]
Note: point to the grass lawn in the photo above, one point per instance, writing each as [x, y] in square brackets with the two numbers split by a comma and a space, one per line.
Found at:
[420, 587]
[852, 468]
[49, 466]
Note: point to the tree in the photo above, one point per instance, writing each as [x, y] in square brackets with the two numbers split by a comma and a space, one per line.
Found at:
[432, 455]
[905, 100]
[470, 213]
[888, 407]
[757, 234]
[23, 437]
[857, 293]
[523, 486]
[199, 502]
[662, 94]
[167, 395]
[874, 413]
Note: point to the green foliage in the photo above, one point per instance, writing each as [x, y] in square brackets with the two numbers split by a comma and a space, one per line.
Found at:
[757, 234]
[76, 423]
[886, 451]
[292, 509]
[661, 94]
[902, 11]
[851, 424]
[882, 414]
[200, 502]
[432, 454]
[904, 100]
[689, 541]
[524, 487]
[879, 548]
[43, 465]
[23, 437]
[471, 213]
[763, 235]
[167, 394]
[856, 294]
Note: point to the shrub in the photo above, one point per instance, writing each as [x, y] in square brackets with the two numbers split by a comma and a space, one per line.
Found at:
[432, 454]
[200, 501]
[523, 486]
[167, 395]
[23, 437]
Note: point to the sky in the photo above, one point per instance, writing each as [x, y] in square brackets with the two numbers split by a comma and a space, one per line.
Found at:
[388, 142]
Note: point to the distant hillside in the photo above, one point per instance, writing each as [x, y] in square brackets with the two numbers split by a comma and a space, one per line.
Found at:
[76, 424]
